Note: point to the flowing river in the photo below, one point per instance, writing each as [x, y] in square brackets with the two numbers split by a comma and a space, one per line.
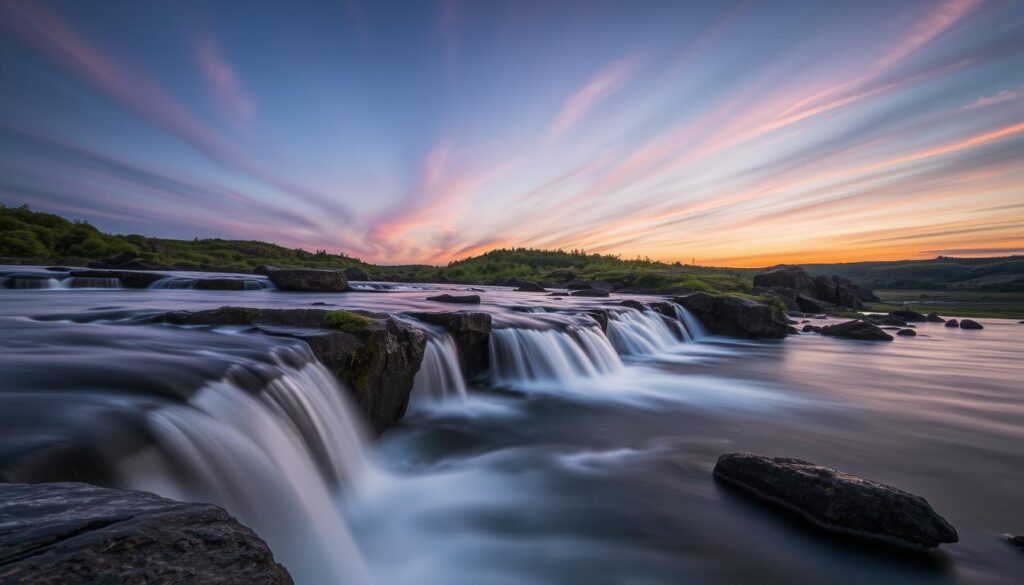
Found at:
[581, 457]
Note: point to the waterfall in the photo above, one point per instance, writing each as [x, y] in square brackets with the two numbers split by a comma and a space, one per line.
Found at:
[532, 355]
[91, 282]
[439, 378]
[29, 282]
[270, 454]
[173, 283]
[692, 325]
[645, 332]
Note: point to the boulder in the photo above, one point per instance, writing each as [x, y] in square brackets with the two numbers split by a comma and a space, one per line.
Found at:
[128, 278]
[811, 305]
[531, 287]
[459, 299]
[471, 332]
[727, 315]
[909, 316]
[1016, 540]
[933, 317]
[787, 276]
[906, 333]
[890, 320]
[263, 269]
[837, 501]
[356, 274]
[856, 329]
[827, 287]
[375, 355]
[970, 324]
[952, 323]
[308, 279]
[514, 282]
[62, 533]
[633, 304]
[577, 284]
[601, 316]
[589, 292]
[811, 329]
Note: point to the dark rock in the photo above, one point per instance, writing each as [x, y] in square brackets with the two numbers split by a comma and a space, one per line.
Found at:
[308, 279]
[221, 284]
[838, 501]
[792, 330]
[664, 307]
[811, 305]
[827, 288]
[601, 316]
[356, 274]
[787, 276]
[856, 330]
[263, 269]
[890, 320]
[589, 292]
[952, 323]
[933, 317]
[909, 316]
[128, 278]
[578, 284]
[788, 301]
[906, 332]
[562, 275]
[64, 533]
[375, 355]
[514, 282]
[633, 304]
[726, 315]
[1016, 540]
[471, 332]
[531, 287]
[811, 329]
[970, 324]
[462, 299]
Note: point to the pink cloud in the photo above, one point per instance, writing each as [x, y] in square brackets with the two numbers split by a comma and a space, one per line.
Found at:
[1006, 95]
[933, 25]
[230, 96]
[608, 81]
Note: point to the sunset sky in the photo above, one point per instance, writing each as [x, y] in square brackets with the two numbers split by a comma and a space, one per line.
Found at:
[734, 133]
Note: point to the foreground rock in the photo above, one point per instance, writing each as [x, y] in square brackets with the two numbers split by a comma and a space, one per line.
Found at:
[471, 332]
[970, 324]
[305, 279]
[856, 330]
[457, 299]
[65, 533]
[726, 315]
[838, 501]
[375, 355]
[952, 323]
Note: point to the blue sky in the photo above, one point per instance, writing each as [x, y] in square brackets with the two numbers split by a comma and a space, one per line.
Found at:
[739, 133]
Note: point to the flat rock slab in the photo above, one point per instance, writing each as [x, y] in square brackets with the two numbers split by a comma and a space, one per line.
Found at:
[64, 533]
[838, 501]
[457, 299]
[856, 330]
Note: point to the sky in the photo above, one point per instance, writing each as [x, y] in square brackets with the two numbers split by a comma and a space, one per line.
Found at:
[723, 133]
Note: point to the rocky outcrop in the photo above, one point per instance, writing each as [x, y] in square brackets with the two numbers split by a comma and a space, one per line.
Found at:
[375, 355]
[601, 316]
[934, 317]
[811, 329]
[787, 277]
[128, 278]
[531, 287]
[456, 299]
[953, 323]
[471, 333]
[356, 274]
[813, 295]
[909, 316]
[811, 305]
[970, 324]
[726, 315]
[889, 320]
[64, 533]
[590, 292]
[838, 501]
[856, 330]
[306, 279]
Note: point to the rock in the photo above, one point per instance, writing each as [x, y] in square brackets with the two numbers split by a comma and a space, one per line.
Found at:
[589, 292]
[811, 305]
[792, 330]
[726, 315]
[633, 304]
[531, 287]
[514, 282]
[827, 287]
[64, 533]
[601, 316]
[1016, 540]
[856, 330]
[471, 332]
[787, 276]
[788, 301]
[308, 279]
[221, 284]
[263, 269]
[970, 324]
[463, 299]
[356, 274]
[952, 323]
[906, 332]
[933, 317]
[128, 278]
[577, 284]
[375, 355]
[890, 320]
[811, 329]
[838, 501]
[909, 316]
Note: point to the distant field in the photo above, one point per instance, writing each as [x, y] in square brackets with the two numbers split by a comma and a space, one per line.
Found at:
[1005, 305]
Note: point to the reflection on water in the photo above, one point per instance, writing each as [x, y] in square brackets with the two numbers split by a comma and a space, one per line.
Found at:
[586, 459]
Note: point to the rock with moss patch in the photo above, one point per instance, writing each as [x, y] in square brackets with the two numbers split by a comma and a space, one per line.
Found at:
[306, 279]
[728, 315]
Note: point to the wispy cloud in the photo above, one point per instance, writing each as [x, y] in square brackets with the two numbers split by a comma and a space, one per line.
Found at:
[229, 94]
[1006, 95]
[600, 87]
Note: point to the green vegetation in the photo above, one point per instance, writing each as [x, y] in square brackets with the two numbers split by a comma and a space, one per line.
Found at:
[236, 315]
[997, 305]
[1005, 274]
[348, 321]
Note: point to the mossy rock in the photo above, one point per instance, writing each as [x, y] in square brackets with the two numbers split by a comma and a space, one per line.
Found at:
[348, 322]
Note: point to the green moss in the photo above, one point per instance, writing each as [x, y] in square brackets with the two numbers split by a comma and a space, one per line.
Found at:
[698, 285]
[360, 364]
[348, 321]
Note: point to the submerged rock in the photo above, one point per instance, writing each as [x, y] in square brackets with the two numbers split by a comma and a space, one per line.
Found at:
[462, 299]
[909, 316]
[471, 332]
[906, 333]
[307, 279]
[933, 317]
[838, 501]
[589, 292]
[856, 330]
[811, 329]
[970, 324]
[59, 533]
[531, 287]
[727, 315]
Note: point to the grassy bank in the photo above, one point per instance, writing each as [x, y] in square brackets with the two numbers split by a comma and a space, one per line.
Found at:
[998, 305]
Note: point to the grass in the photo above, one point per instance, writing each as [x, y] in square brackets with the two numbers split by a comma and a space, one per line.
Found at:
[348, 321]
[997, 305]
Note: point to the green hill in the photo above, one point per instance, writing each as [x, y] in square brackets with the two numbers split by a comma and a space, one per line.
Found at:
[1003, 274]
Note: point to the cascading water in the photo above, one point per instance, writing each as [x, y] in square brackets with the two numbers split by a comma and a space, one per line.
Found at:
[90, 282]
[646, 332]
[534, 355]
[18, 282]
[270, 453]
[690, 323]
[439, 378]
